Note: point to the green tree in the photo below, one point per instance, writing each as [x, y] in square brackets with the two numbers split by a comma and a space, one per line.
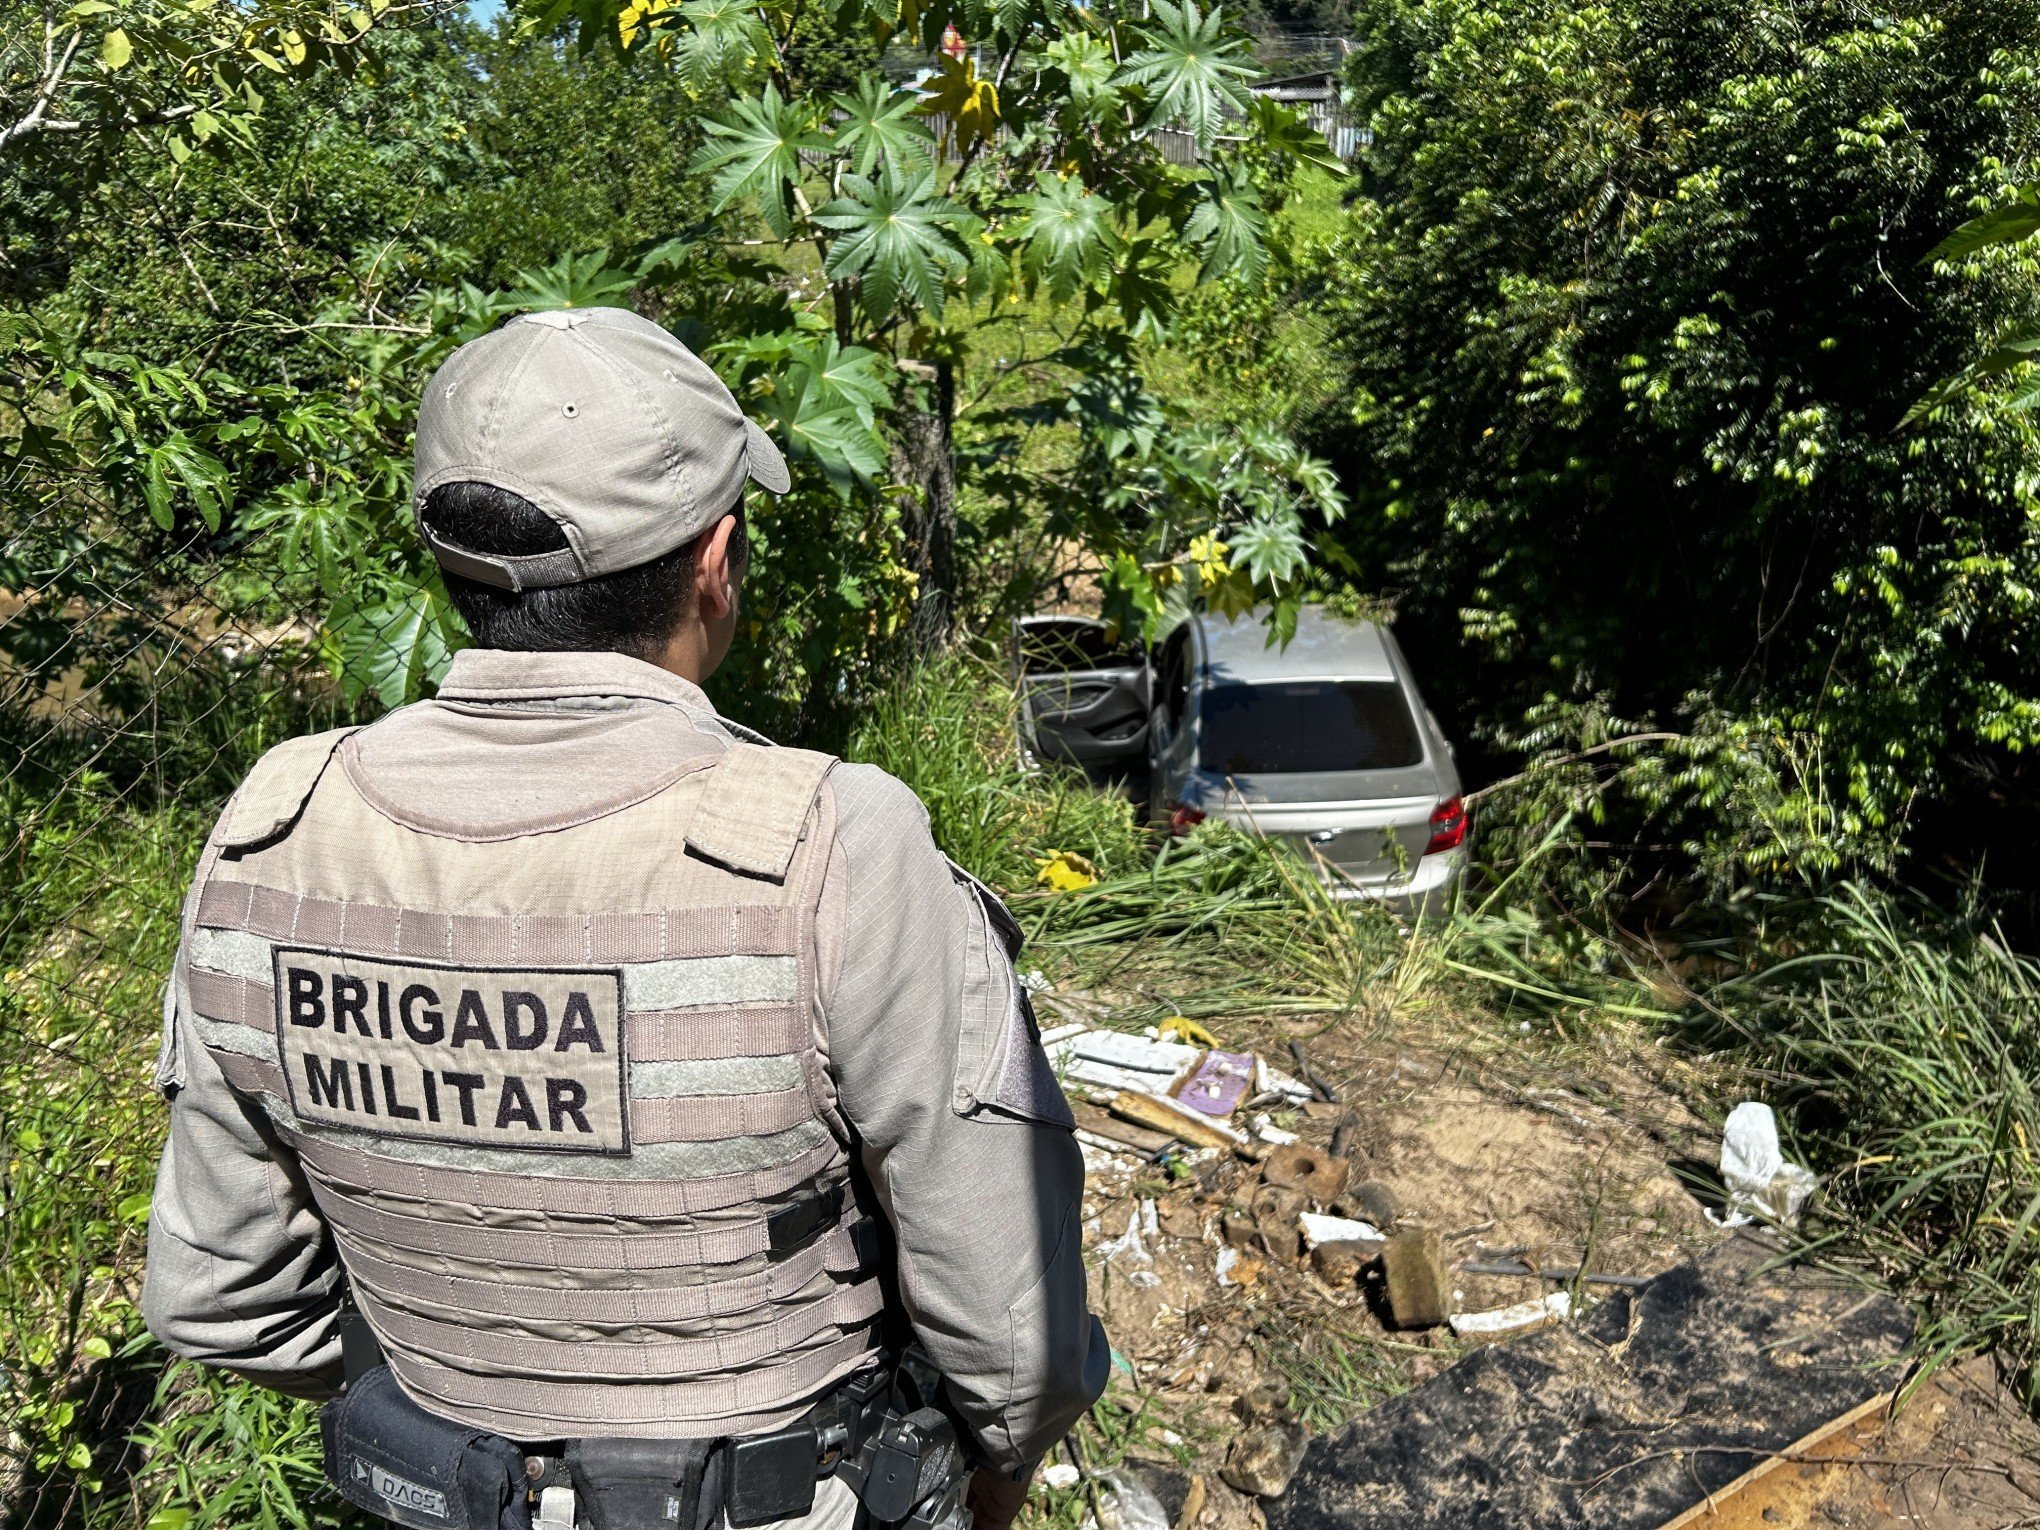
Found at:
[1028, 172]
[1633, 309]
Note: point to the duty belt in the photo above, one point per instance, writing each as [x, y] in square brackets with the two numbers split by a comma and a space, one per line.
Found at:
[884, 1431]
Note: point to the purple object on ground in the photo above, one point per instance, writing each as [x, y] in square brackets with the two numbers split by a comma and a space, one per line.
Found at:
[1219, 1084]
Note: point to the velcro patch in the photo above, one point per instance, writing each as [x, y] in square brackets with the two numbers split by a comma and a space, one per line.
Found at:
[487, 1057]
[398, 1492]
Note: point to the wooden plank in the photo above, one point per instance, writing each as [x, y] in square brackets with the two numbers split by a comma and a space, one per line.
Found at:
[1712, 1510]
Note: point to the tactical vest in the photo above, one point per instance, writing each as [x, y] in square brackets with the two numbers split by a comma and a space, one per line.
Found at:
[553, 1074]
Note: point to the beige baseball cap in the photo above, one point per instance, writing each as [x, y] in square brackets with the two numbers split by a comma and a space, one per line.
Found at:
[605, 422]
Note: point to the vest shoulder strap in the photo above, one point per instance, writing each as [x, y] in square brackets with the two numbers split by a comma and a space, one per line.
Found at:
[277, 789]
[755, 806]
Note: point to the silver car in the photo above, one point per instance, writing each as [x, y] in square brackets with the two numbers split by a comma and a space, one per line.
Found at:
[1326, 740]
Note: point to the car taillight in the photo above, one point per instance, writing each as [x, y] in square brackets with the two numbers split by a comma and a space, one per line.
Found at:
[1183, 817]
[1448, 826]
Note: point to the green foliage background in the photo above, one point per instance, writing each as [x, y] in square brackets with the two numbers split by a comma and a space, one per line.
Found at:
[1632, 307]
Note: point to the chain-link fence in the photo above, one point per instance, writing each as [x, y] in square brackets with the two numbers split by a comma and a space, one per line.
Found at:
[141, 673]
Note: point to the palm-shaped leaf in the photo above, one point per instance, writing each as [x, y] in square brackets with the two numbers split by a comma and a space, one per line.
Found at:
[879, 122]
[2016, 220]
[1231, 225]
[1069, 235]
[708, 40]
[1282, 133]
[896, 235]
[1191, 70]
[394, 647]
[849, 377]
[1086, 62]
[572, 281]
[1269, 547]
[756, 149]
[822, 405]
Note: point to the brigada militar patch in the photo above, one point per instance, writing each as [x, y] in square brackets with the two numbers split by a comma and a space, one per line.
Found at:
[486, 1057]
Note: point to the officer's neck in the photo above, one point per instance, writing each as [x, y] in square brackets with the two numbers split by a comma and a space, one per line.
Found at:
[696, 651]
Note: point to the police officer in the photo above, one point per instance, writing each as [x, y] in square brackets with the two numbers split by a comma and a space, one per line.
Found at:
[636, 1080]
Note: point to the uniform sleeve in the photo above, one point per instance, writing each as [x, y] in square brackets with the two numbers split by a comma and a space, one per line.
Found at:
[982, 1185]
[241, 1274]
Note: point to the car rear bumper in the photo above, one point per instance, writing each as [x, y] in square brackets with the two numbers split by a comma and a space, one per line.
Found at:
[1427, 888]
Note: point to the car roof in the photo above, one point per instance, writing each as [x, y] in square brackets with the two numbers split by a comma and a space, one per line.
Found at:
[1325, 647]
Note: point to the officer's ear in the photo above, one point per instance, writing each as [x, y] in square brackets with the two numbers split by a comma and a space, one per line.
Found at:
[719, 568]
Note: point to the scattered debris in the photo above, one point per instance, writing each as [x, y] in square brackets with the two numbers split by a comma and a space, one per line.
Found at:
[1312, 1171]
[1339, 1264]
[1060, 1475]
[1419, 1286]
[1318, 1086]
[1235, 1268]
[1568, 1274]
[1277, 1210]
[1219, 1082]
[1376, 1203]
[1183, 1029]
[1321, 1229]
[1065, 871]
[1127, 1503]
[1115, 1060]
[1118, 1134]
[1269, 1132]
[1760, 1182]
[1160, 1113]
[1522, 1317]
[1265, 1459]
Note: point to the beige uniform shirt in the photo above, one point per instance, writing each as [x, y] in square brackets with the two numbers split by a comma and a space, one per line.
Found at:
[242, 1272]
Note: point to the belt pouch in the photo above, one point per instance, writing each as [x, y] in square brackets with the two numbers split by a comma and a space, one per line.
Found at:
[647, 1484]
[389, 1456]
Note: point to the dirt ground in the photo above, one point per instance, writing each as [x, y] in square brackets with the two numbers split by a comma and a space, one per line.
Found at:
[1592, 1164]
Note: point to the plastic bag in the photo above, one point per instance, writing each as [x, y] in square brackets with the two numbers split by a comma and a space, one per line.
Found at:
[1760, 1182]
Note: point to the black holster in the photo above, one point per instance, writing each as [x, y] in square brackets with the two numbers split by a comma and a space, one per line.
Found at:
[389, 1456]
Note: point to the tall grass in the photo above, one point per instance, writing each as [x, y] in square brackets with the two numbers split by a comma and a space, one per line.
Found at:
[1219, 922]
[1904, 1045]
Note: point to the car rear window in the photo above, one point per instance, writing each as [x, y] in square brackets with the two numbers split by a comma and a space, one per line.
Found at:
[1308, 725]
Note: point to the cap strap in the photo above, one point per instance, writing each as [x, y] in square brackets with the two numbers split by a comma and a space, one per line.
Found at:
[506, 571]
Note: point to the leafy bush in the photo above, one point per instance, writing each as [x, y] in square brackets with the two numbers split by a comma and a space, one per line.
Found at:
[1633, 310]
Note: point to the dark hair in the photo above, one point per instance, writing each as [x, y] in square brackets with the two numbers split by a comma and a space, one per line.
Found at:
[635, 611]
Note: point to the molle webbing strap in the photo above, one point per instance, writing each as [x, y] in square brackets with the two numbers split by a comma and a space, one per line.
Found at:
[378, 930]
[718, 1118]
[550, 1409]
[553, 1245]
[233, 1000]
[836, 1254]
[250, 1075]
[634, 1359]
[754, 807]
[276, 791]
[707, 1035]
[350, 1171]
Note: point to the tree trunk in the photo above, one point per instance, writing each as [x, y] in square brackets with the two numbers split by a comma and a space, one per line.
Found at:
[924, 460]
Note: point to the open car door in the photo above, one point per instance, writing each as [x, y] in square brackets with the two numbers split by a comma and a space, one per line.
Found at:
[1083, 697]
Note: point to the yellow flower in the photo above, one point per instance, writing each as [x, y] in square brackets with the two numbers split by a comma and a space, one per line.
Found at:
[1066, 871]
